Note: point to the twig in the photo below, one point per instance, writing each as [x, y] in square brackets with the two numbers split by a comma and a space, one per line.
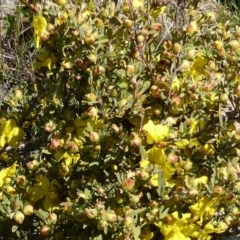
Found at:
[29, 6]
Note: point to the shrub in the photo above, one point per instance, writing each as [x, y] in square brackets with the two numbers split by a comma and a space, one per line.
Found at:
[129, 129]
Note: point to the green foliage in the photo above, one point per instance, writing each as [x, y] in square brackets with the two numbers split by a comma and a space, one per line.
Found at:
[129, 129]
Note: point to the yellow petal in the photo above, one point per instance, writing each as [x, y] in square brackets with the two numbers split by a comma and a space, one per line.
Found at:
[175, 84]
[3, 141]
[138, 3]
[7, 172]
[157, 11]
[14, 136]
[182, 144]
[39, 190]
[49, 204]
[39, 25]
[155, 133]
[156, 155]
[144, 164]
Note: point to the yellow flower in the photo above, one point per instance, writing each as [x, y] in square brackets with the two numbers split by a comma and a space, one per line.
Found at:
[204, 208]
[10, 133]
[155, 133]
[39, 190]
[157, 11]
[175, 86]
[138, 3]
[39, 25]
[144, 164]
[196, 70]
[146, 234]
[182, 144]
[178, 228]
[62, 18]
[47, 59]
[6, 173]
[157, 156]
[202, 180]
[193, 127]
[219, 228]
[198, 65]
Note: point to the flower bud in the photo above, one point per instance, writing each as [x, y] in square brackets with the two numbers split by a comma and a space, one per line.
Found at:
[128, 221]
[140, 39]
[111, 216]
[18, 94]
[237, 32]
[223, 98]
[211, 65]
[89, 39]
[19, 217]
[52, 218]
[218, 44]
[64, 170]
[221, 52]
[187, 165]
[46, 230]
[192, 28]
[90, 97]
[128, 24]
[55, 144]
[92, 58]
[128, 184]
[20, 180]
[218, 191]
[185, 66]
[49, 126]
[136, 141]
[191, 54]
[130, 70]
[91, 213]
[72, 147]
[33, 165]
[177, 47]
[192, 193]
[92, 112]
[28, 210]
[99, 70]
[235, 211]
[102, 224]
[156, 26]
[142, 175]
[134, 53]
[228, 220]
[155, 211]
[235, 44]
[134, 199]
[237, 90]
[94, 137]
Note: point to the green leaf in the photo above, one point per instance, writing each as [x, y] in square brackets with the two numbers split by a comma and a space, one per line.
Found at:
[161, 183]
[41, 214]
[100, 237]
[105, 229]
[89, 126]
[136, 233]
[143, 153]
[164, 213]
[144, 87]
[18, 234]
[14, 228]
[102, 41]
[6, 200]
[137, 211]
